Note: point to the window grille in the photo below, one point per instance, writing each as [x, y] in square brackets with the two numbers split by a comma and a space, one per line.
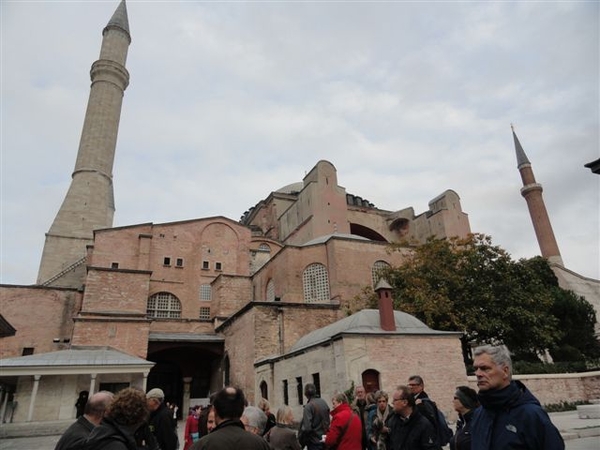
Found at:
[316, 284]
[204, 313]
[270, 291]
[264, 248]
[205, 292]
[378, 267]
[163, 305]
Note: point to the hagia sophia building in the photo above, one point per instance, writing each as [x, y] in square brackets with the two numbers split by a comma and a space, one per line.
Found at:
[268, 302]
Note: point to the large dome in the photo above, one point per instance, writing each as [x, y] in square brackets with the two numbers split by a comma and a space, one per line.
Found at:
[291, 188]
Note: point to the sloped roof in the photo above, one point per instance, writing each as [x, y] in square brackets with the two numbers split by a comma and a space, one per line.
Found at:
[367, 321]
[325, 238]
[75, 361]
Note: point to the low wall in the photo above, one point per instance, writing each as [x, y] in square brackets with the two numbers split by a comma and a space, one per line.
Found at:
[557, 388]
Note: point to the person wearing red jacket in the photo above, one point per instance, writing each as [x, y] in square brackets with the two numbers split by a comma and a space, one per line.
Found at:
[345, 431]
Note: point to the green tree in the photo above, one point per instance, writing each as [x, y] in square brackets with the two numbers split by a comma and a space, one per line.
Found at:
[472, 286]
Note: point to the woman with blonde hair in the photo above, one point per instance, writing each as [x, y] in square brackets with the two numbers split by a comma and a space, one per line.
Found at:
[282, 436]
[265, 407]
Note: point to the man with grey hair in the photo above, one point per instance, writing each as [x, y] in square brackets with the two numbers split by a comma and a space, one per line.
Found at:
[510, 416]
[254, 420]
[75, 436]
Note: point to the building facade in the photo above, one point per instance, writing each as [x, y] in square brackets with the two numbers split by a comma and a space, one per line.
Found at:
[202, 300]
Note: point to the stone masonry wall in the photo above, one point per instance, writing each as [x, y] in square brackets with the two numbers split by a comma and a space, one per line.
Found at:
[556, 388]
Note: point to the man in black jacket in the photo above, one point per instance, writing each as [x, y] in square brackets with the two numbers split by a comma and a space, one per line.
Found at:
[75, 436]
[229, 434]
[315, 420]
[407, 428]
[161, 420]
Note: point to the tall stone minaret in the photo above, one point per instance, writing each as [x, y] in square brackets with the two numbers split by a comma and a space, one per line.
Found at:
[532, 192]
[89, 203]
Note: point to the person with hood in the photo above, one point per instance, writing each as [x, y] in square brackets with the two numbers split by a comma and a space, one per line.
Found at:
[345, 431]
[510, 417]
[125, 415]
[464, 402]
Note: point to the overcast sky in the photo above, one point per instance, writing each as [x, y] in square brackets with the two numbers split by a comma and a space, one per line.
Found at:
[229, 101]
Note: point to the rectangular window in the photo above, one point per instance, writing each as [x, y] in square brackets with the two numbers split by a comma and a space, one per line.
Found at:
[167, 261]
[114, 265]
[299, 390]
[218, 266]
[286, 398]
[204, 313]
[317, 382]
[205, 292]
[179, 262]
[205, 265]
[27, 351]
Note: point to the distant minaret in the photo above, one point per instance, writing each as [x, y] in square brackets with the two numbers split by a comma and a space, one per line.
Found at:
[89, 203]
[532, 192]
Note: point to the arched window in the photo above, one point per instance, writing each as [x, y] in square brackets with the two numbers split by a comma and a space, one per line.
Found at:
[163, 305]
[376, 270]
[270, 291]
[264, 248]
[264, 390]
[316, 284]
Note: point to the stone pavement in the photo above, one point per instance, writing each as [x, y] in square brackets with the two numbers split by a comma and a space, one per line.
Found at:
[579, 434]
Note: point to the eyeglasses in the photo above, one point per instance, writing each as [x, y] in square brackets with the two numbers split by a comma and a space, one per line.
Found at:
[398, 399]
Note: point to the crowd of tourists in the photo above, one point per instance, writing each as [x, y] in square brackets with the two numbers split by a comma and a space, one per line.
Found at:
[503, 414]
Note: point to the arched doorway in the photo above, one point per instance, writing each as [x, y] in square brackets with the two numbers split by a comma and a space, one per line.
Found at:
[370, 380]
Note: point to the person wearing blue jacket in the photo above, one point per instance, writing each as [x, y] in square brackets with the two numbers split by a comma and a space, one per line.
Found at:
[510, 417]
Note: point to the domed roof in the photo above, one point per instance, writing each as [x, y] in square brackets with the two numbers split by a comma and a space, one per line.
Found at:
[291, 188]
[367, 321]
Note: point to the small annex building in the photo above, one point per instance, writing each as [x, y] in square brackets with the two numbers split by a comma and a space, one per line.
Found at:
[380, 347]
[46, 382]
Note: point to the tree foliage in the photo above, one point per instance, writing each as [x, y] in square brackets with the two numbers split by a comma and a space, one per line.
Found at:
[470, 285]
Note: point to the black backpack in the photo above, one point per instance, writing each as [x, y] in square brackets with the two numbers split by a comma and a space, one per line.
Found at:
[437, 418]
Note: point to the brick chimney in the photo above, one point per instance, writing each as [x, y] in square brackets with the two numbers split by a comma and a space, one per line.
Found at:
[386, 308]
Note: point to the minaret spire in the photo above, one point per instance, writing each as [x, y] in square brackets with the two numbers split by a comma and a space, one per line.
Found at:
[89, 203]
[532, 192]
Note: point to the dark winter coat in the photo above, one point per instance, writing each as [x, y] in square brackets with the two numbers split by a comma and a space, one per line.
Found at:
[282, 437]
[512, 418]
[75, 436]
[161, 425]
[462, 438]
[415, 433]
[109, 435]
[231, 435]
[315, 421]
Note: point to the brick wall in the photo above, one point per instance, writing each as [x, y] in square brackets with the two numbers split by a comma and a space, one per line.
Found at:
[39, 315]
